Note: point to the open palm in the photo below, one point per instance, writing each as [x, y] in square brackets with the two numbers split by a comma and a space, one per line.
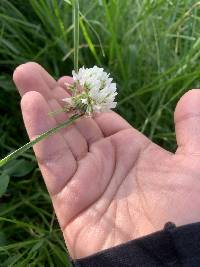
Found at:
[108, 182]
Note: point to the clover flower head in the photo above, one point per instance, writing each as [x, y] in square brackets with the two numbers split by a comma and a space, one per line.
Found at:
[92, 91]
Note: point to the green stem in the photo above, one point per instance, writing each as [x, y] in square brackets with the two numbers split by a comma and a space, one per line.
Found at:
[25, 147]
[76, 32]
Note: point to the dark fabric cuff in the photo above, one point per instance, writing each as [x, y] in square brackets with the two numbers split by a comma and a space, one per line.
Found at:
[173, 246]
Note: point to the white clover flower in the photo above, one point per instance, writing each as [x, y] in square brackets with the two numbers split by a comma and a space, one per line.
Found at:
[97, 91]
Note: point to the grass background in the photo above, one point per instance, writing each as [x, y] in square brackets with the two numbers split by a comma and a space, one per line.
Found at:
[151, 48]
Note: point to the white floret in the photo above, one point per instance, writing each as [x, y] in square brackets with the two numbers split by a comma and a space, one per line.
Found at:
[98, 91]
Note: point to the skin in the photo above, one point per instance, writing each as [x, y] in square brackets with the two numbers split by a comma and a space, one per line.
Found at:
[108, 182]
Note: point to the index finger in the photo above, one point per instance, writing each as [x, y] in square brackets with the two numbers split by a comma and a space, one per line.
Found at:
[32, 77]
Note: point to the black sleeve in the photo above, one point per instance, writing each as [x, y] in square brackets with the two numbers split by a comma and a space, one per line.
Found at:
[173, 246]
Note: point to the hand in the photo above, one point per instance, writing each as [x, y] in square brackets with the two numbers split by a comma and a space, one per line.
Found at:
[108, 182]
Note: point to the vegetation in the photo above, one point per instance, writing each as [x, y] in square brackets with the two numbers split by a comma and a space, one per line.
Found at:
[151, 48]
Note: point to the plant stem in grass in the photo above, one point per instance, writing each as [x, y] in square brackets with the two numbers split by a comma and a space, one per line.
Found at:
[44, 135]
[76, 32]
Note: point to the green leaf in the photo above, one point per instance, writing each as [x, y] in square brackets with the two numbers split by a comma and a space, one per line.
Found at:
[68, 2]
[89, 42]
[19, 168]
[61, 255]
[3, 240]
[4, 180]
[37, 246]
[6, 84]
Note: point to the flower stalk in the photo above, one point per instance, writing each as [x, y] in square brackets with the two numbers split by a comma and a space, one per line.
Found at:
[44, 135]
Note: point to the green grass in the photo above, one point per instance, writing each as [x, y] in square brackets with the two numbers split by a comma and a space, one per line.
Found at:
[151, 48]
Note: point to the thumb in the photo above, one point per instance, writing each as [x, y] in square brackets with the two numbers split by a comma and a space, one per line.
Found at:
[187, 122]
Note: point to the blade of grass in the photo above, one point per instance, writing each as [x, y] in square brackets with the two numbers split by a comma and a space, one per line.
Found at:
[76, 33]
